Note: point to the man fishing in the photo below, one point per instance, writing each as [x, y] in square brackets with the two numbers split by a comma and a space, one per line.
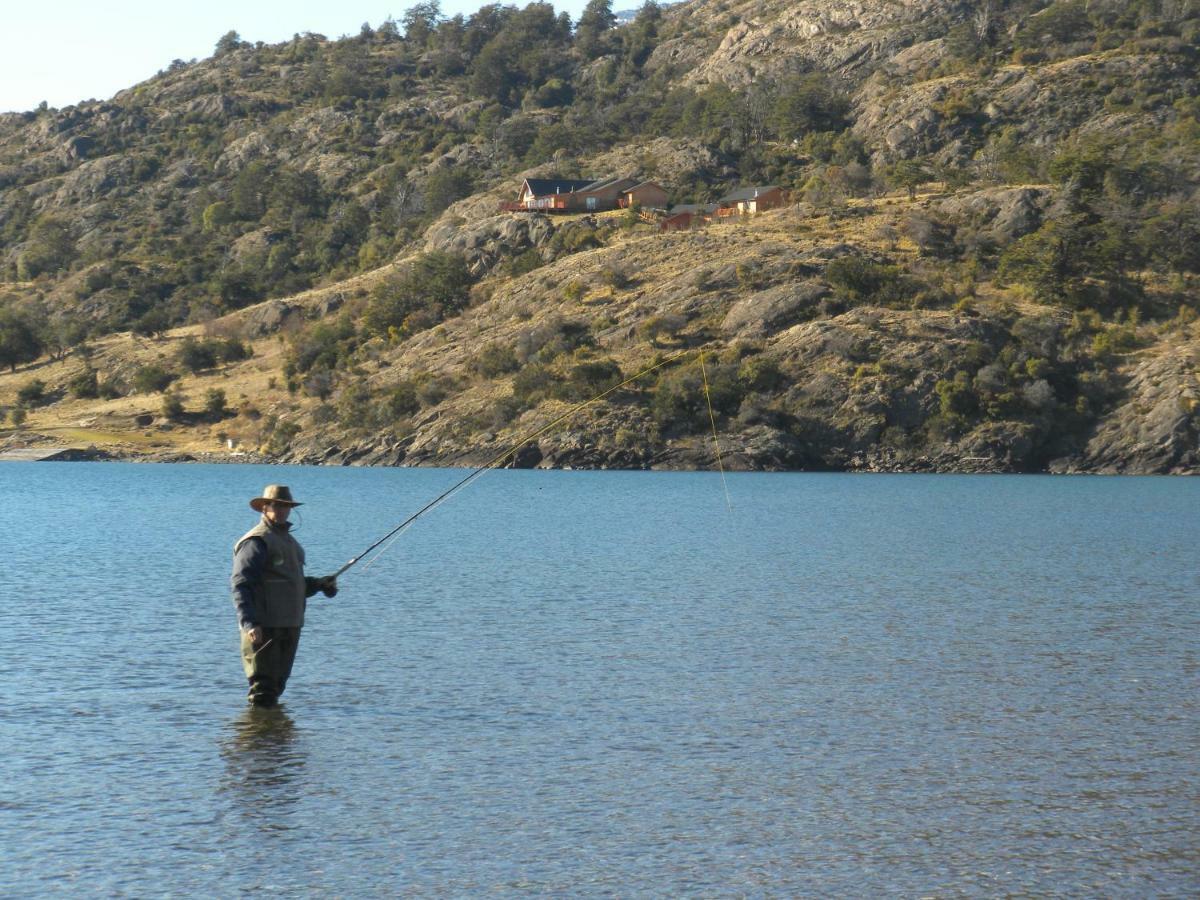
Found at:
[270, 591]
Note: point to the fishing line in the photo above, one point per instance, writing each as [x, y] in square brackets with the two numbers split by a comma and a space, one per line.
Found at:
[496, 460]
[716, 443]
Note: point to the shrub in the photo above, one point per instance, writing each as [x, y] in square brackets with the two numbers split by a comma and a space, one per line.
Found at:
[679, 399]
[551, 339]
[433, 391]
[195, 356]
[760, 373]
[354, 406]
[861, 280]
[668, 325]
[533, 384]
[616, 276]
[433, 287]
[150, 379]
[215, 408]
[280, 437]
[586, 380]
[172, 406]
[325, 345]
[32, 393]
[398, 402]
[955, 396]
[85, 385]
[494, 360]
[230, 350]
[153, 323]
[525, 262]
[1115, 339]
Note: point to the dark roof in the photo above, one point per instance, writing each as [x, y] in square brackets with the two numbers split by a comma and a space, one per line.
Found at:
[642, 184]
[748, 193]
[621, 183]
[545, 187]
[693, 208]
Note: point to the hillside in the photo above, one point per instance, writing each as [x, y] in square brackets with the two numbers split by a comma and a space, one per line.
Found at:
[986, 259]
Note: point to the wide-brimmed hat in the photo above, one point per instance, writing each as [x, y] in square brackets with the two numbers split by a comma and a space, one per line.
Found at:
[273, 493]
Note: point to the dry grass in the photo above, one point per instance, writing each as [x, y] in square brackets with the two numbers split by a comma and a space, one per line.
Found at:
[663, 270]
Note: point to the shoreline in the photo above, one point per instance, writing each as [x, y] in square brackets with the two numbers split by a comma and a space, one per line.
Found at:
[925, 466]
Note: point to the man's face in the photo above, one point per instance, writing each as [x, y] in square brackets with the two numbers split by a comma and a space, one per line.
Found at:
[276, 513]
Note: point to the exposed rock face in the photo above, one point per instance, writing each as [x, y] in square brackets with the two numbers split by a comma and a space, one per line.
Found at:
[95, 180]
[942, 117]
[773, 38]
[79, 147]
[265, 318]
[242, 152]
[775, 308]
[1157, 429]
[486, 243]
[1002, 214]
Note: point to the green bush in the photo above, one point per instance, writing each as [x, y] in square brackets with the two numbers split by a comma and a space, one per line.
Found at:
[433, 287]
[860, 280]
[761, 373]
[667, 325]
[19, 338]
[215, 406]
[586, 380]
[432, 391]
[494, 360]
[324, 345]
[196, 356]
[172, 406]
[398, 402]
[152, 379]
[680, 403]
[85, 385]
[524, 262]
[32, 393]
[280, 436]
[956, 396]
[230, 350]
[533, 384]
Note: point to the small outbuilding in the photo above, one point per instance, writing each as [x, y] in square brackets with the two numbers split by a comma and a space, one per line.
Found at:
[750, 200]
[685, 216]
[647, 194]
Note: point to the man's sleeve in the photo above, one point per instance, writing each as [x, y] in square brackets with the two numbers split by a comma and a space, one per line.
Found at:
[248, 564]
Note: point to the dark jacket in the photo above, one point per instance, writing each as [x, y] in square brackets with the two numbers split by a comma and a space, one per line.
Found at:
[268, 581]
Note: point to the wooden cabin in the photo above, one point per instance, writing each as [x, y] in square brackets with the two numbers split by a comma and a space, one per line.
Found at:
[585, 195]
[647, 194]
[685, 216]
[750, 200]
[549, 194]
[600, 195]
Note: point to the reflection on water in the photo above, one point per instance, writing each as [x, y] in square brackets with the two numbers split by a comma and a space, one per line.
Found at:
[262, 761]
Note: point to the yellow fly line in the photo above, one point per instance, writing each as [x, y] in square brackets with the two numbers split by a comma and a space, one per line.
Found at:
[716, 443]
[533, 435]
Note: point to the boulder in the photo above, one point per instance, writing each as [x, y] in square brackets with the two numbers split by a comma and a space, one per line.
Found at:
[266, 318]
[775, 308]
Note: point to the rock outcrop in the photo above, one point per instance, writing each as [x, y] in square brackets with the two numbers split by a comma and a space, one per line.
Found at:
[1156, 429]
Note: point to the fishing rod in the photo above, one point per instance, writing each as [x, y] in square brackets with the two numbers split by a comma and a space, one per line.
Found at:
[521, 442]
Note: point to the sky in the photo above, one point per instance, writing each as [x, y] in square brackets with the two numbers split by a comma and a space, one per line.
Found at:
[66, 51]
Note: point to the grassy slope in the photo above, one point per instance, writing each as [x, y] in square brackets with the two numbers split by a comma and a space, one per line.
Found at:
[664, 266]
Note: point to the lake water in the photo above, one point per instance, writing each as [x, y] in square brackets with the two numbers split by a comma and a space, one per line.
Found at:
[583, 684]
